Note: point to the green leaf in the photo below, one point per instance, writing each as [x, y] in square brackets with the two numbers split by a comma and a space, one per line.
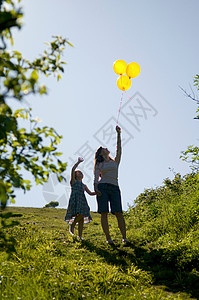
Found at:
[18, 111]
[58, 77]
[57, 153]
[37, 180]
[34, 75]
[42, 90]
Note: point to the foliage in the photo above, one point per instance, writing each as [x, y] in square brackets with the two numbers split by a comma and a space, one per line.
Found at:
[171, 210]
[191, 155]
[50, 264]
[52, 204]
[166, 221]
[35, 149]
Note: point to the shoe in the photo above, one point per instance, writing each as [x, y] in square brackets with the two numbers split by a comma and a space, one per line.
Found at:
[125, 241]
[110, 242]
[71, 230]
[80, 238]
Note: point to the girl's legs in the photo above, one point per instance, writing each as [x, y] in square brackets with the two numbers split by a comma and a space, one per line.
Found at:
[76, 220]
[105, 226]
[71, 228]
[80, 225]
[121, 224]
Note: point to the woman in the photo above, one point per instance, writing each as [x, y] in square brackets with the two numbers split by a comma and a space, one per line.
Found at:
[107, 188]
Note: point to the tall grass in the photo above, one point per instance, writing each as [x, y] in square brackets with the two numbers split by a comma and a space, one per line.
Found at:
[166, 221]
[167, 212]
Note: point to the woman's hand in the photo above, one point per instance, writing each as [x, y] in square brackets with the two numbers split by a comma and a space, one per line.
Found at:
[118, 129]
[98, 193]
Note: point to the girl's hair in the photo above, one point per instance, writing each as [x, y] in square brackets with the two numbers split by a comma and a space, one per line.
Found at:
[76, 173]
[75, 176]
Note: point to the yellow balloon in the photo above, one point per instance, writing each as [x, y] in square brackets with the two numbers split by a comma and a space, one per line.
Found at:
[124, 82]
[133, 70]
[119, 67]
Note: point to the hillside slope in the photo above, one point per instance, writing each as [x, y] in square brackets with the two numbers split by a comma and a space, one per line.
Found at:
[162, 261]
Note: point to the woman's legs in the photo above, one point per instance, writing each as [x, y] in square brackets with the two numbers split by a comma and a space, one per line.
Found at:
[105, 226]
[121, 223]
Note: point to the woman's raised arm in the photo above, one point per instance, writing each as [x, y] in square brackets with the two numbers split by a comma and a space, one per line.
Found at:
[119, 149]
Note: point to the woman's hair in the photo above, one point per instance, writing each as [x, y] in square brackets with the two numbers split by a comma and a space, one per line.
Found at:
[98, 157]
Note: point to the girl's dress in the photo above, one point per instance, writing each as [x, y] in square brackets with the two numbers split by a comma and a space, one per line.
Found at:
[77, 204]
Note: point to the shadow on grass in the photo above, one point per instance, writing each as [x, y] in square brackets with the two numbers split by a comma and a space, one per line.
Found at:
[7, 243]
[112, 255]
[163, 267]
[157, 262]
[10, 215]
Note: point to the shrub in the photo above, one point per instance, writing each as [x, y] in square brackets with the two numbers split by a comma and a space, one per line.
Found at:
[52, 204]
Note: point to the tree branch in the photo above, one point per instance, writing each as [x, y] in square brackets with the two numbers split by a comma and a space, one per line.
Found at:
[189, 95]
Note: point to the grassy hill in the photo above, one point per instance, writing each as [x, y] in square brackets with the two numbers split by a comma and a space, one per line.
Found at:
[162, 261]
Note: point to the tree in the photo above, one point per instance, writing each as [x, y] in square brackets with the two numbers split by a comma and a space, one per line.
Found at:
[32, 149]
[52, 204]
[191, 155]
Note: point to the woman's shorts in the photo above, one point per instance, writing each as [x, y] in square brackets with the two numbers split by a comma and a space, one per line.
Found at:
[110, 194]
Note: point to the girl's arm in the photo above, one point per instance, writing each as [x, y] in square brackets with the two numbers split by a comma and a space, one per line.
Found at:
[89, 192]
[72, 180]
[119, 149]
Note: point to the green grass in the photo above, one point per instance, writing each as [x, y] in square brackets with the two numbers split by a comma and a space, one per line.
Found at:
[49, 264]
[41, 260]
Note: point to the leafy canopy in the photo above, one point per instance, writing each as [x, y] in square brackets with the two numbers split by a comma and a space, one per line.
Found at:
[22, 150]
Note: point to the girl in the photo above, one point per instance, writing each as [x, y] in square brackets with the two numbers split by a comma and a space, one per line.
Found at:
[107, 188]
[78, 210]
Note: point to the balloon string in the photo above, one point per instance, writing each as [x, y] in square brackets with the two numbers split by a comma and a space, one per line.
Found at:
[119, 108]
[129, 97]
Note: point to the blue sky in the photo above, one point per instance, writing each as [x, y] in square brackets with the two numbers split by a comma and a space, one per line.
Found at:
[162, 36]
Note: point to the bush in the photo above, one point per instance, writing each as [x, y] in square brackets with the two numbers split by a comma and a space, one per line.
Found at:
[167, 218]
[52, 204]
